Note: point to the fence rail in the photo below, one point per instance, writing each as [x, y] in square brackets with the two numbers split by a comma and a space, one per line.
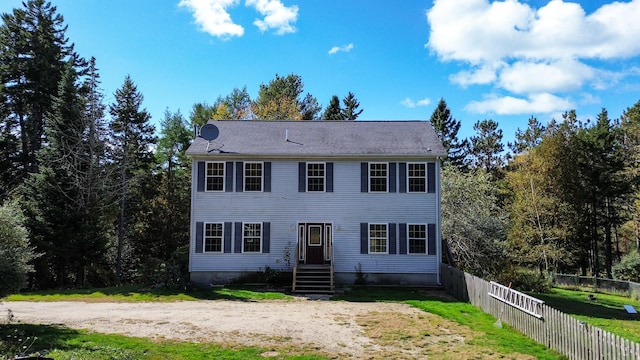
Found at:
[555, 329]
[632, 289]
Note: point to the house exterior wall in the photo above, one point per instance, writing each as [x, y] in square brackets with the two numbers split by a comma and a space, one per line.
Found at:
[346, 208]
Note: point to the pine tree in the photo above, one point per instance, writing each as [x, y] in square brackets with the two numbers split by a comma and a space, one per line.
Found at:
[63, 196]
[163, 241]
[447, 128]
[132, 138]
[333, 110]
[33, 53]
[485, 149]
[350, 110]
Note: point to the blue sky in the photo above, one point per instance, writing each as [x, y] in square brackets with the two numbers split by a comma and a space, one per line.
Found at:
[500, 60]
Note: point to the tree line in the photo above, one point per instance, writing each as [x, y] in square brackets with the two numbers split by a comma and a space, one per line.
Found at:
[561, 198]
[91, 193]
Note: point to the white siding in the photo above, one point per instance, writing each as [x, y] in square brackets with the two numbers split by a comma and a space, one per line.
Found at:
[284, 207]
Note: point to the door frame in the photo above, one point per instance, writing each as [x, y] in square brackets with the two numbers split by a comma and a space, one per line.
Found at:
[326, 240]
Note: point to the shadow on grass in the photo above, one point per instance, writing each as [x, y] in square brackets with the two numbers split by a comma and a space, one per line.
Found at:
[391, 293]
[20, 339]
[600, 308]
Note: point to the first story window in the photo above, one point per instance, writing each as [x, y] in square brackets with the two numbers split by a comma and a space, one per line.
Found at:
[252, 176]
[378, 177]
[251, 237]
[378, 238]
[315, 176]
[213, 236]
[417, 177]
[215, 176]
[417, 238]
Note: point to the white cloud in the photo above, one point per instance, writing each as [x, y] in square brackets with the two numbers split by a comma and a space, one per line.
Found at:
[528, 51]
[408, 102]
[509, 105]
[523, 77]
[276, 16]
[213, 18]
[343, 48]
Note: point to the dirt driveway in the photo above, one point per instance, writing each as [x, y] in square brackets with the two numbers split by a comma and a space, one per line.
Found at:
[334, 328]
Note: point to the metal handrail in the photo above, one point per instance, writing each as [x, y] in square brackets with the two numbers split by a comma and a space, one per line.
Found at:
[295, 268]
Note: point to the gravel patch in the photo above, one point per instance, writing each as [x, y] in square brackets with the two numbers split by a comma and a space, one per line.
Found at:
[325, 326]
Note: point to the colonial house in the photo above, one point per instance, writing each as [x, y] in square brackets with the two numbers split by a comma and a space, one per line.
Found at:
[329, 201]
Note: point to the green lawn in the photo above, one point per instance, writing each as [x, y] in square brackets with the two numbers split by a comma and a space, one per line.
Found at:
[143, 294]
[606, 311]
[481, 338]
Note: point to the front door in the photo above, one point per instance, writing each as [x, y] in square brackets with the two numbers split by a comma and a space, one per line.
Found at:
[314, 240]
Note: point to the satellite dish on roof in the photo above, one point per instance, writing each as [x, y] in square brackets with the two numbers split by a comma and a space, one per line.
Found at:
[209, 132]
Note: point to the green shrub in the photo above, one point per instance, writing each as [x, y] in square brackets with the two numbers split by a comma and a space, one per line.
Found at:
[525, 280]
[15, 250]
[628, 269]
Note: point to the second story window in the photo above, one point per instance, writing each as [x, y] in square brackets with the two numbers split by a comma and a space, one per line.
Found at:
[315, 176]
[215, 176]
[417, 177]
[252, 176]
[378, 177]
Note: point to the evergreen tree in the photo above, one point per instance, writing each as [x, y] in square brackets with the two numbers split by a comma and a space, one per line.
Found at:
[33, 53]
[309, 108]
[333, 110]
[528, 139]
[447, 128]
[350, 110]
[132, 139]
[64, 198]
[163, 242]
[485, 149]
[600, 166]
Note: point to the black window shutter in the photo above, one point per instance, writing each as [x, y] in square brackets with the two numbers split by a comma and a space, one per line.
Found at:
[392, 177]
[329, 177]
[431, 239]
[302, 176]
[266, 237]
[200, 175]
[431, 177]
[228, 177]
[364, 238]
[403, 239]
[239, 176]
[267, 176]
[237, 246]
[227, 237]
[364, 177]
[199, 233]
[402, 177]
[392, 238]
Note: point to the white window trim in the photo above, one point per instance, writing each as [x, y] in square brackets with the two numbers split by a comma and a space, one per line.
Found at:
[386, 177]
[426, 169]
[261, 237]
[386, 252]
[426, 242]
[206, 175]
[324, 177]
[205, 237]
[244, 176]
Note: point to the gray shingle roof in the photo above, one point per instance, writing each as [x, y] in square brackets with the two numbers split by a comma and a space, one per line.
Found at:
[320, 138]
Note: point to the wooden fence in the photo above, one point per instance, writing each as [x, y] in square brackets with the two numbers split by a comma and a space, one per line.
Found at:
[554, 329]
[629, 288]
